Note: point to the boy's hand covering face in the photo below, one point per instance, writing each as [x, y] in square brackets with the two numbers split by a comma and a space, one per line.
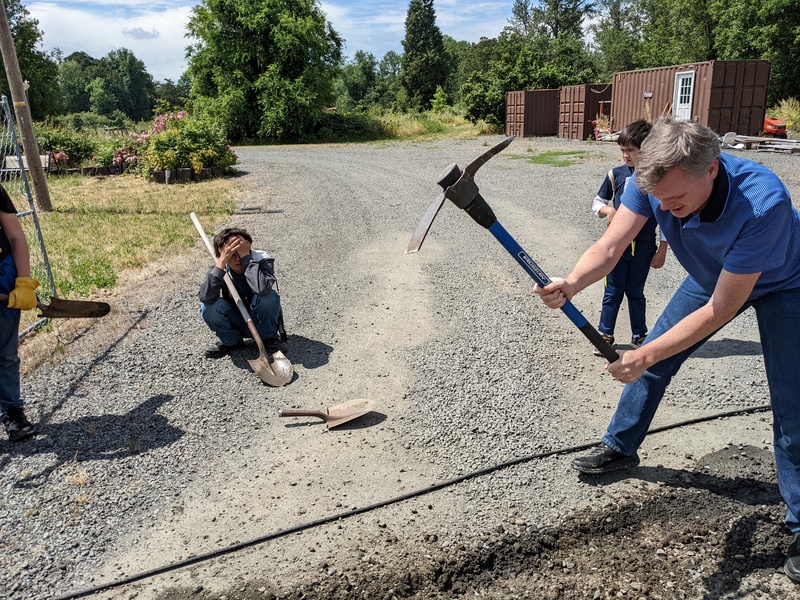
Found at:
[232, 252]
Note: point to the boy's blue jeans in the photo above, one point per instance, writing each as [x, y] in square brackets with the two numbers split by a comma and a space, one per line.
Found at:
[778, 316]
[226, 321]
[627, 278]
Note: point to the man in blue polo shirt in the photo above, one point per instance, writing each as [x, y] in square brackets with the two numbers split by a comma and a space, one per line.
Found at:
[731, 224]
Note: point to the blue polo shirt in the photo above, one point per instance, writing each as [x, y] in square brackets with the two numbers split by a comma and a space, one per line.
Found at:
[749, 225]
[612, 191]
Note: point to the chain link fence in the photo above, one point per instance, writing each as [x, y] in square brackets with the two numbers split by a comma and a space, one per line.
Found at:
[14, 178]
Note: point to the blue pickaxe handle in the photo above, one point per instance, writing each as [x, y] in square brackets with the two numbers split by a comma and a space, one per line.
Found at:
[539, 276]
[460, 188]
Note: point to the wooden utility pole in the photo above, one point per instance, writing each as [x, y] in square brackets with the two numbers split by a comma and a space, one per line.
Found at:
[23, 113]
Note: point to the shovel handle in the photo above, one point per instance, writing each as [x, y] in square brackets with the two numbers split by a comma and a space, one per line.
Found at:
[231, 288]
[4, 300]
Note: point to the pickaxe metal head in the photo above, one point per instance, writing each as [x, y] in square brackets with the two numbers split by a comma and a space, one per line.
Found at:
[460, 188]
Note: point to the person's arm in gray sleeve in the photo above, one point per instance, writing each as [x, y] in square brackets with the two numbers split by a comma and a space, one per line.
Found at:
[259, 270]
[212, 286]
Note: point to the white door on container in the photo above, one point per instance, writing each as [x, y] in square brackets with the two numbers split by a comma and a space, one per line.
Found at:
[684, 92]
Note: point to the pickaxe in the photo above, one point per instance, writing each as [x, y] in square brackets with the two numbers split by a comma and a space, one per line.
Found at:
[460, 188]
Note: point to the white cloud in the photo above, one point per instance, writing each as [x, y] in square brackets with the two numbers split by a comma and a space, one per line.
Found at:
[154, 30]
[155, 36]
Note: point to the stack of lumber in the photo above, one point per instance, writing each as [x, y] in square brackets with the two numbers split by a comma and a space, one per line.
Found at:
[769, 144]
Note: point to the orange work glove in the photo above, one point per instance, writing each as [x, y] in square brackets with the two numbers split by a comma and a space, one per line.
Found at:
[23, 296]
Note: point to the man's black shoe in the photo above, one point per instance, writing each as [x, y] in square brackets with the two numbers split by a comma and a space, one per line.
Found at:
[219, 349]
[792, 565]
[17, 425]
[604, 460]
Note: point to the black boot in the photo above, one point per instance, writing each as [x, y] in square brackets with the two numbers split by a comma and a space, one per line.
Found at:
[17, 425]
[604, 460]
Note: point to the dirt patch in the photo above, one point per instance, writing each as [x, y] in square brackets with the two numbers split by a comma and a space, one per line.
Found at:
[702, 533]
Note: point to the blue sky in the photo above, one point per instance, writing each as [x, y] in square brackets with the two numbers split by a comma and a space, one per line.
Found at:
[154, 29]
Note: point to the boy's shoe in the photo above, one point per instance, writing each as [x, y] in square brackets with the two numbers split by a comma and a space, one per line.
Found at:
[607, 338]
[219, 349]
[792, 565]
[638, 340]
[17, 425]
[603, 460]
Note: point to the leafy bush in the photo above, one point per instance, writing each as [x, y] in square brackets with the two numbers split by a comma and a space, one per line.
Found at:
[180, 140]
[105, 151]
[788, 110]
[439, 101]
[53, 139]
[88, 120]
[348, 126]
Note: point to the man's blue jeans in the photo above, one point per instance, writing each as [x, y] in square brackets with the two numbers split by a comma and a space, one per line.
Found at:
[778, 316]
[226, 321]
[627, 278]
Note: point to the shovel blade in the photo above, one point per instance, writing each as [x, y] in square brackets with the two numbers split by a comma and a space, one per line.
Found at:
[276, 372]
[69, 309]
[73, 309]
[424, 225]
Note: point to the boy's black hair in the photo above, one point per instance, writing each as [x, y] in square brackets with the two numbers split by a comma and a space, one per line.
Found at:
[634, 133]
[223, 236]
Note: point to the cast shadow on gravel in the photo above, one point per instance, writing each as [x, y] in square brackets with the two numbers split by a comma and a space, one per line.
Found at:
[311, 354]
[101, 437]
[744, 490]
[728, 347]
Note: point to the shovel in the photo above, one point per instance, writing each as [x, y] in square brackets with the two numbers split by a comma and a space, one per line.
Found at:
[336, 415]
[273, 369]
[69, 309]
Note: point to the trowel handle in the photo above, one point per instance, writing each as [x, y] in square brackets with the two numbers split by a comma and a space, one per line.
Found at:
[539, 276]
[292, 412]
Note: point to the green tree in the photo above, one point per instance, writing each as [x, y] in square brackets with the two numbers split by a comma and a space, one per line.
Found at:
[765, 29]
[38, 68]
[127, 80]
[556, 18]
[263, 69]
[616, 36]
[390, 94]
[170, 96]
[424, 63]
[101, 100]
[359, 77]
[675, 32]
[73, 80]
[517, 66]
[457, 53]
[522, 19]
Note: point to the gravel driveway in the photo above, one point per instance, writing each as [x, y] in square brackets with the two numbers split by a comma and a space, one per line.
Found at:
[151, 454]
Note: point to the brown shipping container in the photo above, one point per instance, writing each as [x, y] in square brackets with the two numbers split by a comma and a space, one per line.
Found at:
[579, 105]
[532, 112]
[726, 95]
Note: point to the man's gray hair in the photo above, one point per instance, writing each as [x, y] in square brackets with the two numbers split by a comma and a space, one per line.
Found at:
[675, 143]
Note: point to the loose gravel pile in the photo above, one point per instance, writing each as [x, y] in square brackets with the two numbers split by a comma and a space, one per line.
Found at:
[150, 453]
